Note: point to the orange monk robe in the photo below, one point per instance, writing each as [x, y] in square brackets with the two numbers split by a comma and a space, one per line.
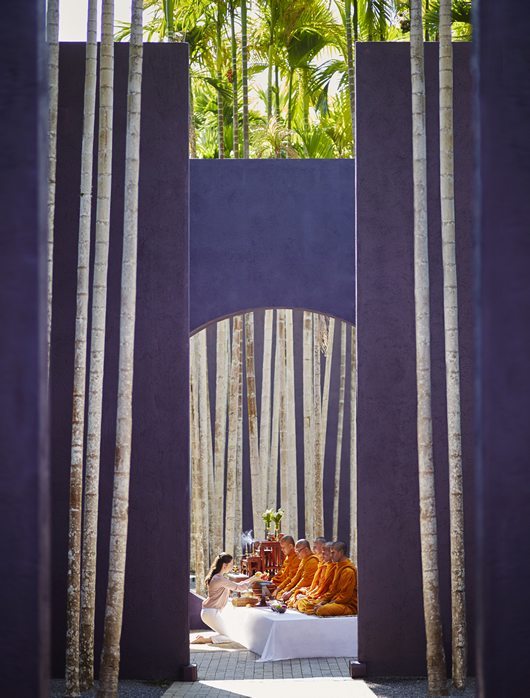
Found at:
[308, 601]
[341, 599]
[304, 576]
[287, 570]
[320, 586]
[314, 584]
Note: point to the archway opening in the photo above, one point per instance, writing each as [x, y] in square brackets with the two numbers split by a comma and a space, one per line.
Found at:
[272, 405]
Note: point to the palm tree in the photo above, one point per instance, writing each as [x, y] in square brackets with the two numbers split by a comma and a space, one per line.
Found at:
[309, 456]
[265, 411]
[328, 353]
[118, 536]
[290, 409]
[234, 80]
[205, 444]
[199, 471]
[353, 445]
[429, 546]
[340, 428]
[221, 404]
[52, 35]
[221, 12]
[73, 605]
[452, 355]
[244, 77]
[351, 68]
[317, 433]
[253, 434]
[97, 347]
[272, 485]
[231, 518]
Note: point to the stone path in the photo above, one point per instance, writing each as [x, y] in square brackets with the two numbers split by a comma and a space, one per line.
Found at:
[231, 671]
[234, 673]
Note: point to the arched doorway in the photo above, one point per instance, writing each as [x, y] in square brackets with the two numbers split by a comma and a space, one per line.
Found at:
[272, 425]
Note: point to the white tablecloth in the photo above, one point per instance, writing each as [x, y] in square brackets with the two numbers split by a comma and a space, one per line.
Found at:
[291, 635]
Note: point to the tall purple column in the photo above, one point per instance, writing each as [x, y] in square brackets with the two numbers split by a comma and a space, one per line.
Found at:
[391, 626]
[155, 640]
[24, 510]
[502, 58]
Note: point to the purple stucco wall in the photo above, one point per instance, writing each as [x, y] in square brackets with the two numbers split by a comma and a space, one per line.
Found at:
[261, 235]
[391, 632]
[502, 58]
[277, 233]
[24, 469]
[154, 640]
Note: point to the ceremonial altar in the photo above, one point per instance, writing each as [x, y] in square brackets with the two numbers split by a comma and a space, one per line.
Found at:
[291, 635]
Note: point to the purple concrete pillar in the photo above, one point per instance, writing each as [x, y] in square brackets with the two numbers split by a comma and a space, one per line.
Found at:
[391, 626]
[24, 517]
[155, 628]
[502, 59]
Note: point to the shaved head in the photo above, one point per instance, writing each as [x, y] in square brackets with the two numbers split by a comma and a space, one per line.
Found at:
[340, 547]
[339, 551]
[287, 539]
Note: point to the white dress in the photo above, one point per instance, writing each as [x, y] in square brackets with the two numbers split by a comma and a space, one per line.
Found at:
[213, 605]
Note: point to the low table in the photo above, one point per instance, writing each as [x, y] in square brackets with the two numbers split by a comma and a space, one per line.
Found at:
[290, 635]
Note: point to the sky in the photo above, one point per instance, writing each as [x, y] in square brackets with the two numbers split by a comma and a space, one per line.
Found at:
[73, 15]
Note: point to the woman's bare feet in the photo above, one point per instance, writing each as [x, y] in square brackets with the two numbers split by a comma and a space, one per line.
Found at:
[201, 640]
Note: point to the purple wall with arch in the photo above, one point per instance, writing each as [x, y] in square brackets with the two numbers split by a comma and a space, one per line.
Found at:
[261, 232]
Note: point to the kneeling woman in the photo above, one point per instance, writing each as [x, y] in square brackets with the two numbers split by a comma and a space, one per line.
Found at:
[219, 588]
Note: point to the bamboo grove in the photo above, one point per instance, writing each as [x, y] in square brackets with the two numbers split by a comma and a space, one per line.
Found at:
[273, 396]
[276, 78]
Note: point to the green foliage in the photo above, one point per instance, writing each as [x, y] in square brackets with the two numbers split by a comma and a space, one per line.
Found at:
[299, 104]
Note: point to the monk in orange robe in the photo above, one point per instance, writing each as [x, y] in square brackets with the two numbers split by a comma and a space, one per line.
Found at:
[309, 598]
[318, 546]
[341, 599]
[306, 571]
[290, 563]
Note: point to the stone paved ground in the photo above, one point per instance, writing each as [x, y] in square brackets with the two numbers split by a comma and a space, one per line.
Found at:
[231, 671]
